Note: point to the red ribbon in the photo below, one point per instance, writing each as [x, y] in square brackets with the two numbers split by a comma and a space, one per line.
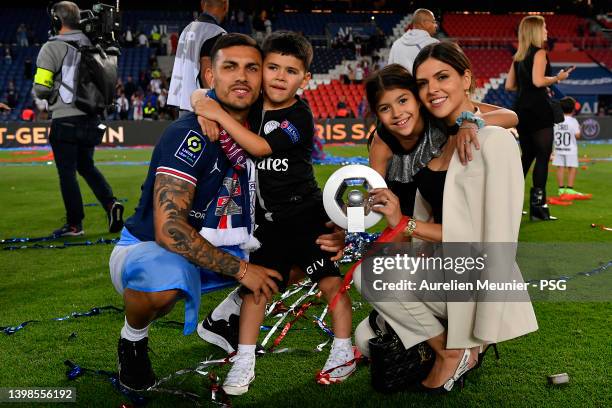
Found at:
[283, 333]
[388, 235]
[324, 378]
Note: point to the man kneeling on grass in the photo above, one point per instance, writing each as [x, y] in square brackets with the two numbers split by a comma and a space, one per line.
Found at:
[164, 253]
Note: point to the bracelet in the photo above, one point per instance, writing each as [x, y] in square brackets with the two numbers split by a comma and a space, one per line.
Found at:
[246, 268]
[470, 117]
[410, 228]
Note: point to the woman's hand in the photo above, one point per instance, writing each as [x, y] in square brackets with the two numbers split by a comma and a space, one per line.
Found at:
[385, 202]
[210, 128]
[564, 73]
[465, 137]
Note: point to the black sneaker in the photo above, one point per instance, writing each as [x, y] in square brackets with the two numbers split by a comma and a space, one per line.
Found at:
[69, 231]
[115, 217]
[221, 333]
[135, 372]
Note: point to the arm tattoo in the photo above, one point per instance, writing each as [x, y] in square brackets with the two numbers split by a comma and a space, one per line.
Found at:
[172, 202]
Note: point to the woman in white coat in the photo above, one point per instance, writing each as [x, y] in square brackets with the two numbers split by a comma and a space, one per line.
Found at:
[481, 202]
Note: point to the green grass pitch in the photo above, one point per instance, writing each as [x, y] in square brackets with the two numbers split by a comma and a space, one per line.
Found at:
[42, 284]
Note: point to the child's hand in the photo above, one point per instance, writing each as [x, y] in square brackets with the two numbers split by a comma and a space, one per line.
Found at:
[208, 108]
[210, 128]
[465, 137]
[333, 242]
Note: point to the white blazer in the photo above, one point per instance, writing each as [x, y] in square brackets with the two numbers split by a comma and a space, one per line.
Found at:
[483, 202]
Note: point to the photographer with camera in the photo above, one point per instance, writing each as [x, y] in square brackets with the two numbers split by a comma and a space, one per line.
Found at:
[75, 129]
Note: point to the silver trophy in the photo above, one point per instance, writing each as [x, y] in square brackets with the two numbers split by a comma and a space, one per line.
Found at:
[353, 182]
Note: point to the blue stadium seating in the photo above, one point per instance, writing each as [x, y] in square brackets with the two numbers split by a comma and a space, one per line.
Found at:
[314, 23]
[35, 19]
[15, 71]
[500, 97]
[326, 59]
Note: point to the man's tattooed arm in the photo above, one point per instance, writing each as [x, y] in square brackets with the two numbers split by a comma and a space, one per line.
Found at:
[172, 201]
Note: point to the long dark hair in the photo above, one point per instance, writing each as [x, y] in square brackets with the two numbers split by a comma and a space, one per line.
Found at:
[393, 76]
[448, 53]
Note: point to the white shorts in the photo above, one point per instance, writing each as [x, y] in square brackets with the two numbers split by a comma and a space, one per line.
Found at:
[565, 160]
[116, 263]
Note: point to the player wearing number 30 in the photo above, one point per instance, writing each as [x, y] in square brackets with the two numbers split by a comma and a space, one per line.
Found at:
[566, 151]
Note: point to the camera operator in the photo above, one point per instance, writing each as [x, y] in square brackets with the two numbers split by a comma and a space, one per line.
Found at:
[74, 133]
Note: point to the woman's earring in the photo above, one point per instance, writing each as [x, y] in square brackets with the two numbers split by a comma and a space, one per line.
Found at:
[467, 92]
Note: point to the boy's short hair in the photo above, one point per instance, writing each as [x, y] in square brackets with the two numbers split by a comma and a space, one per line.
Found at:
[289, 43]
[568, 104]
[232, 40]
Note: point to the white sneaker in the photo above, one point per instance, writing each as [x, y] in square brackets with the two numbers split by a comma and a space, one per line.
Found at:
[240, 375]
[338, 357]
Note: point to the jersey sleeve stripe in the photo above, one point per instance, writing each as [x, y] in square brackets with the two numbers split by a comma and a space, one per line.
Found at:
[176, 173]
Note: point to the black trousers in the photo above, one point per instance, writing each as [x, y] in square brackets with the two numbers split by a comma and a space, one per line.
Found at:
[536, 145]
[73, 141]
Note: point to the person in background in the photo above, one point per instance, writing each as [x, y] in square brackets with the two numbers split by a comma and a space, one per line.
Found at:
[129, 87]
[137, 106]
[422, 29]
[150, 111]
[143, 41]
[74, 133]
[566, 150]
[128, 38]
[530, 76]
[22, 36]
[193, 53]
[123, 106]
[359, 73]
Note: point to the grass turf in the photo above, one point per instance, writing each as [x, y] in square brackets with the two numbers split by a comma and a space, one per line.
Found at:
[43, 284]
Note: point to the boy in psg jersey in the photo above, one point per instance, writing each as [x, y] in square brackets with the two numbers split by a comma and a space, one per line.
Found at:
[289, 200]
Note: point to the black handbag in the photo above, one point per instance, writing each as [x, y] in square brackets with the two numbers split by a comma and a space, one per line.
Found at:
[555, 106]
[392, 367]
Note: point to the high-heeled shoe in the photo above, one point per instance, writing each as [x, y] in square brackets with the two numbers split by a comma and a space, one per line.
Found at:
[483, 353]
[458, 377]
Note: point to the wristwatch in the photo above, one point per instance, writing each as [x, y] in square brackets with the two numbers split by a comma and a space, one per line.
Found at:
[470, 117]
[410, 228]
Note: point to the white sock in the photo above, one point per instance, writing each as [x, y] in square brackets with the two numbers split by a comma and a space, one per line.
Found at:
[229, 306]
[132, 334]
[342, 343]
[246, 349]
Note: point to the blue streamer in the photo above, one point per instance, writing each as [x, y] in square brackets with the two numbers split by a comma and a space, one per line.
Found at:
[75, 371]
[94, 311]
[100, 241]
[121, 200]
[594, 271]
[341, 161]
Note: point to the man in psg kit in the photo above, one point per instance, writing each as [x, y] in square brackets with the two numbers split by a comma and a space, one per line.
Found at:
[164, 253]
[290, 214]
